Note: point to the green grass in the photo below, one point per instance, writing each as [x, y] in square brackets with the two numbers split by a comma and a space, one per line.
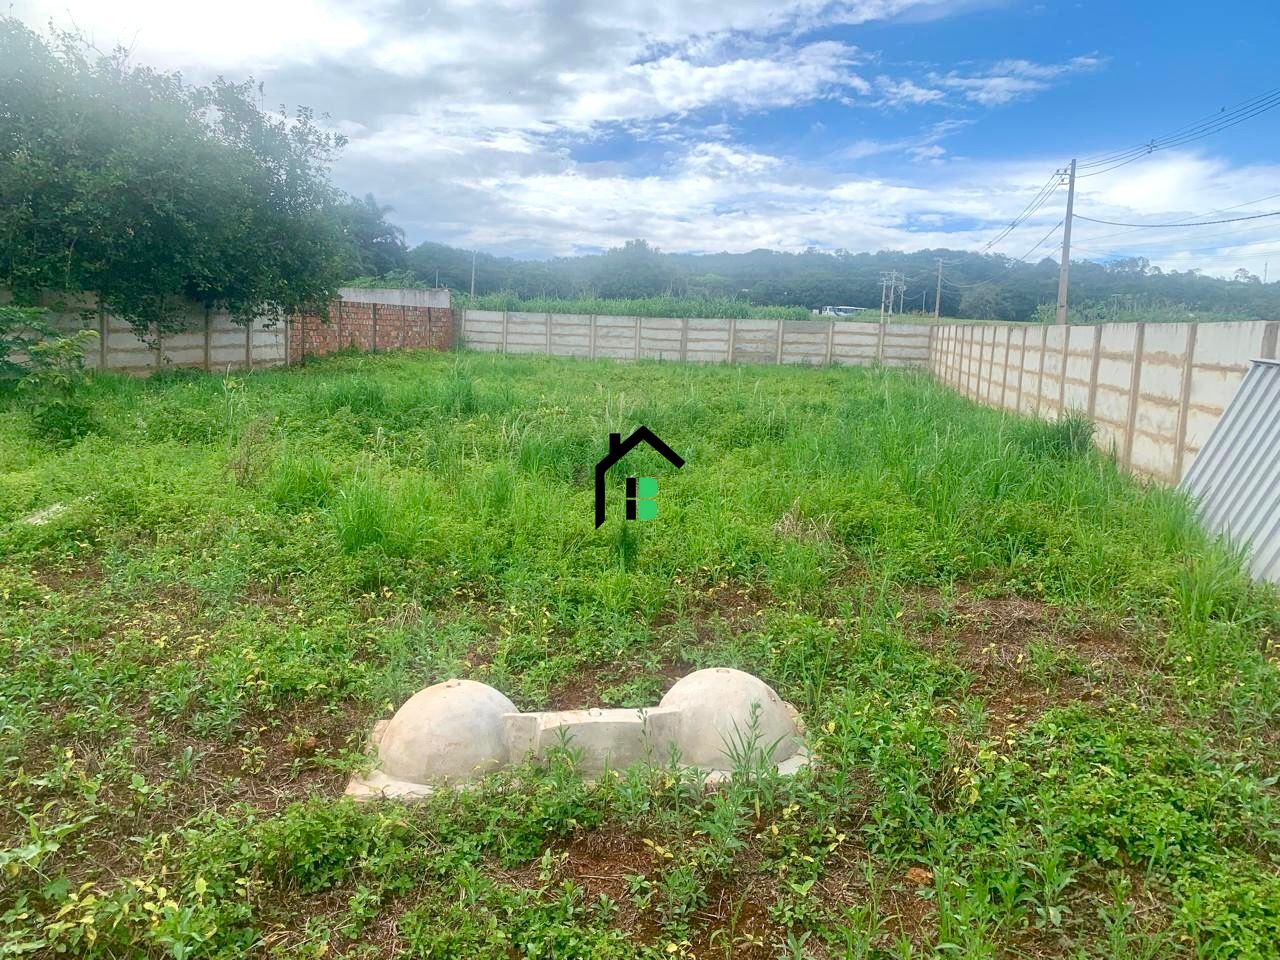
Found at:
[1043, 705]
[634, 307]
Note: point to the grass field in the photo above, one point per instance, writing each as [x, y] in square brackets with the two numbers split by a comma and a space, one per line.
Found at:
[634, 307]
[1043, 706]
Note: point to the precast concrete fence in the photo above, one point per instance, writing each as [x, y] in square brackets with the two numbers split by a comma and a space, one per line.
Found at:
[698, 340]
[1153, 390]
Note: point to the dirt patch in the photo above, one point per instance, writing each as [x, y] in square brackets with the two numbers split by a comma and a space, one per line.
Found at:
[598, 861]
[725, 606]
[587, 687]
[268, 763]
[855, 883]
[1025, 656]
[735, 915]
[72, 578]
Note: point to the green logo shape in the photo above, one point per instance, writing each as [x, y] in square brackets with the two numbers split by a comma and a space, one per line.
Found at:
[646, 498]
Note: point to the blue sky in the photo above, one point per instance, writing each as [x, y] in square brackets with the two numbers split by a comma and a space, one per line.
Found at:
[554, 128]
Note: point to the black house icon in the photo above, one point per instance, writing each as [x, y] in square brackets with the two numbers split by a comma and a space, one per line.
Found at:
[618, 449]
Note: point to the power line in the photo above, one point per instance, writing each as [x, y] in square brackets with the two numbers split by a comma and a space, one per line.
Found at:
[966, 286]
[1243, 234]
[1097, 158]
[1204, 253]
[1192, 216]
[1188, 133]
[1052, 230]
[1201, 223]
[1038, 201]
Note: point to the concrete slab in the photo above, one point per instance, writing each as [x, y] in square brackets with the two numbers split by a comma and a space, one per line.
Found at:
[455, 732]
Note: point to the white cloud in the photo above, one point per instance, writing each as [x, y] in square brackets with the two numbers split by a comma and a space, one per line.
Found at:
[466, 118]
[899, 92]
[1010, 80]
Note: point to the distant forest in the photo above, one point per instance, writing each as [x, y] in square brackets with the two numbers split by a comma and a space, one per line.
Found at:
[984, 287]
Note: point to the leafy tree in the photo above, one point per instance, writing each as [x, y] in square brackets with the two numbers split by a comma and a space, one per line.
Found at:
[986, 302]
[1011, 289]
[373, 245]
[635, 269]
[129, 183]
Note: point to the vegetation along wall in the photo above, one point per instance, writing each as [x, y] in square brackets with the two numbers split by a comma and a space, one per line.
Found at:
[1154, 390]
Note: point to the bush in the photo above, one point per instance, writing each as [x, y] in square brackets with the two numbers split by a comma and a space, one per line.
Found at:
[19, 328]
[1067, 438]
[49, 372]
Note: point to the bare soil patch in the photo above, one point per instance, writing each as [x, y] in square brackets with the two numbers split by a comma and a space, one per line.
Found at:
[1027, 656]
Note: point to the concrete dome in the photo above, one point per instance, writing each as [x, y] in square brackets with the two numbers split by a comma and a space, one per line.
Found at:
[716, 707]
[447, 732]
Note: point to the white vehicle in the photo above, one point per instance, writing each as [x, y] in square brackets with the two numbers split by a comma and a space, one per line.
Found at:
[841, 311]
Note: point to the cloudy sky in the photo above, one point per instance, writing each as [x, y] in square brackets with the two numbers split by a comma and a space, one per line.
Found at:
[537, 129]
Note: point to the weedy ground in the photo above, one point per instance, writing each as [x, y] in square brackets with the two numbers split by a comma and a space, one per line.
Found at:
[1042, 703]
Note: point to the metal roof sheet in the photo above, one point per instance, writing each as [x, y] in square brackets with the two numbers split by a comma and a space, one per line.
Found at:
[1235, 479]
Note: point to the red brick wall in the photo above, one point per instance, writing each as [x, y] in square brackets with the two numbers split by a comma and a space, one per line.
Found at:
[354, 324]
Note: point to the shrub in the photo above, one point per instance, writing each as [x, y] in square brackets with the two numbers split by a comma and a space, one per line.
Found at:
[48, 370]
[1067, 438]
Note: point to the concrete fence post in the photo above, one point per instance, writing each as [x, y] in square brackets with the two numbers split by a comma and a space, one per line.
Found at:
[1004, 369]
[980, 362]
[1184, 401]
[1044, 349]
[1270, 336]
[880, 340]
[208, 337]
[1022, 369]
[1094, 362]
[733, 338]
[374, 311]
[103, 330]
[969, 383]
[778, 335]
[1062, 371]
[341, 343]
[548, 334]
[684, 339]
[404, 326]
[505, 323]
[248, 345]
[957, 356]
[638, 329]
[591, 338]
[831, 336]
[1135, 388]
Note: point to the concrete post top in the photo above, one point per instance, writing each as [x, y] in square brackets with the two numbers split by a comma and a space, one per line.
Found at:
[457, 731]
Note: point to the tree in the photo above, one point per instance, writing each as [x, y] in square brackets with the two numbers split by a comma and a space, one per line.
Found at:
[985, 302]
[635, 269]
[373, 246]
[129, 183]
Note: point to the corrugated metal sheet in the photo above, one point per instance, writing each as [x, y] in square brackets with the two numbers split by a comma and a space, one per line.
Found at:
[1236, 477]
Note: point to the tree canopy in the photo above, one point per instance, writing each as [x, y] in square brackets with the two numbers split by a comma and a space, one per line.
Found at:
[136, 186]
[986, 287]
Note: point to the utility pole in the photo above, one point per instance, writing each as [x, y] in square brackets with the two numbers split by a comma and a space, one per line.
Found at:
[1066, 246]
[937, 294]
[473, 274]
